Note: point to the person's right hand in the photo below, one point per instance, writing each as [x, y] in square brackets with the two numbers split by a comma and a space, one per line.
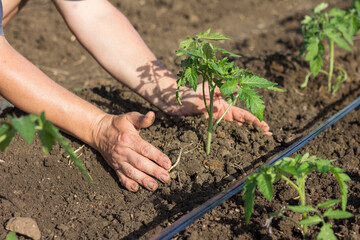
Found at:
[133, 159]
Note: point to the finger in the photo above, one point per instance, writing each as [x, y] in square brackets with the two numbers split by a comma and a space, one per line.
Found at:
[128, 175]
[147, 166]
[149, 151]
[139, 120]
[242, 116]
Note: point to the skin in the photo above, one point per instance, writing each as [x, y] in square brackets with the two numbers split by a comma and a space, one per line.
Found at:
[116, 137]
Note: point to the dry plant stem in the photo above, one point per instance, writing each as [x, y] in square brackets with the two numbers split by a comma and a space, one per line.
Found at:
[177, 160]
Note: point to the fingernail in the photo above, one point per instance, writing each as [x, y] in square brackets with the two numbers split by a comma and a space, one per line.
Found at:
[134, 187]
[166, 165]
[164, 178]
[150, 185]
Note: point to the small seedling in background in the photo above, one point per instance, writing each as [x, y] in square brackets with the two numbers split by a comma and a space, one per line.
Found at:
[27, 125]
[337, 27]
[295, 172]
[234, 83]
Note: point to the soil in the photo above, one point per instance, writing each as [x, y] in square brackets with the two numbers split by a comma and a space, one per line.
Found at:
[65, 205]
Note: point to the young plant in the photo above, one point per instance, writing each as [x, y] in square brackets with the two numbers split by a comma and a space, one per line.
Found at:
[295, 171]
[234, 83]
[27, 125]
[337, 27]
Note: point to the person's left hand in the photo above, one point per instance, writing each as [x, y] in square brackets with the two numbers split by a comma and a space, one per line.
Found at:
[193, 103]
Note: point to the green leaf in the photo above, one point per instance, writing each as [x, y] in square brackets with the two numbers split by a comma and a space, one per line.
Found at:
[256, 81]
[11, 236]
[226, 52]
[47, 140]
[25, 126]
[315, 65]
[212, 36]
[276, 89]
[313, 48]
[248, 197]
[326, 233]
[208, 51]
[328, 203]
[252, 101]
[306, 19]
[337, 214]
[193, 54]
[335, 12]
[191, 77]
[188, 43]
[302, 209]
[229, 87]
[311, 221]
[342, 178]
[7, 133]
[265, 185]
[336, 37]
[320, 7]
[323, 165]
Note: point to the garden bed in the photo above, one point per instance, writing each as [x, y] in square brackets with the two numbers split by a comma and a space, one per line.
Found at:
[66, 206]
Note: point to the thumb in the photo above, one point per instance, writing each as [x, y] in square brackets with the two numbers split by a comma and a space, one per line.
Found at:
[141, 121]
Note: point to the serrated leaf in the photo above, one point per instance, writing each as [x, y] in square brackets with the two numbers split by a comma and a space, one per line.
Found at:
[47, 140]
[328, 203]
[248, 197]
[320, 7]
[336, 37]
[226, 52]
[315, 65]
[306, 19]
[313, 48]
[219, 70]
[302, 209]
[276, 89]
[212, 36]
[256, 81]
[7, 133]
[323, 165]
[229, 87]
[252, 101]
[311, 221]
[191, 76]
[326, 233]
[264, 183]
[342, 178]
[208, 51]
[338, 214]
[336, 12]
[25, 126]
[193, 54]
[188, 43]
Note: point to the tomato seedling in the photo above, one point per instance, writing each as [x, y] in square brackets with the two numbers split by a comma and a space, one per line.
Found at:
[295, 171]
[234, 83]
[338, 27]
[27, 125]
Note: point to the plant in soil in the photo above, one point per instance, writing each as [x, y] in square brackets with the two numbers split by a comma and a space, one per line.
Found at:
[295, 172]
[234, 83]
[27, 126]
[336, 27]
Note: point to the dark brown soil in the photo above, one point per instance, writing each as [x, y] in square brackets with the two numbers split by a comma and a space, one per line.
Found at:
[266, 33]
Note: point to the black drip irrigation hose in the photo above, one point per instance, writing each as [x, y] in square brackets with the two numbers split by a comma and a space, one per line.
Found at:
[198, 212]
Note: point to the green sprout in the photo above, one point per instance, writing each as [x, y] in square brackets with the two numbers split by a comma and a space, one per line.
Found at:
[337, 27]
[27, 125]
[295, 171]
[234, 83]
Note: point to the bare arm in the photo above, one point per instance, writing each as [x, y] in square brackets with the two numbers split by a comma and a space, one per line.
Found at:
[31, 90]
[108, 35]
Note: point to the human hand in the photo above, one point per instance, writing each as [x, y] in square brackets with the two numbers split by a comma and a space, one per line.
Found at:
[133, 159]
[193, 103]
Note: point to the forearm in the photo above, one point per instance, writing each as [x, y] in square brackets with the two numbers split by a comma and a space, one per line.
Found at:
[111, 39]
[31, 90]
